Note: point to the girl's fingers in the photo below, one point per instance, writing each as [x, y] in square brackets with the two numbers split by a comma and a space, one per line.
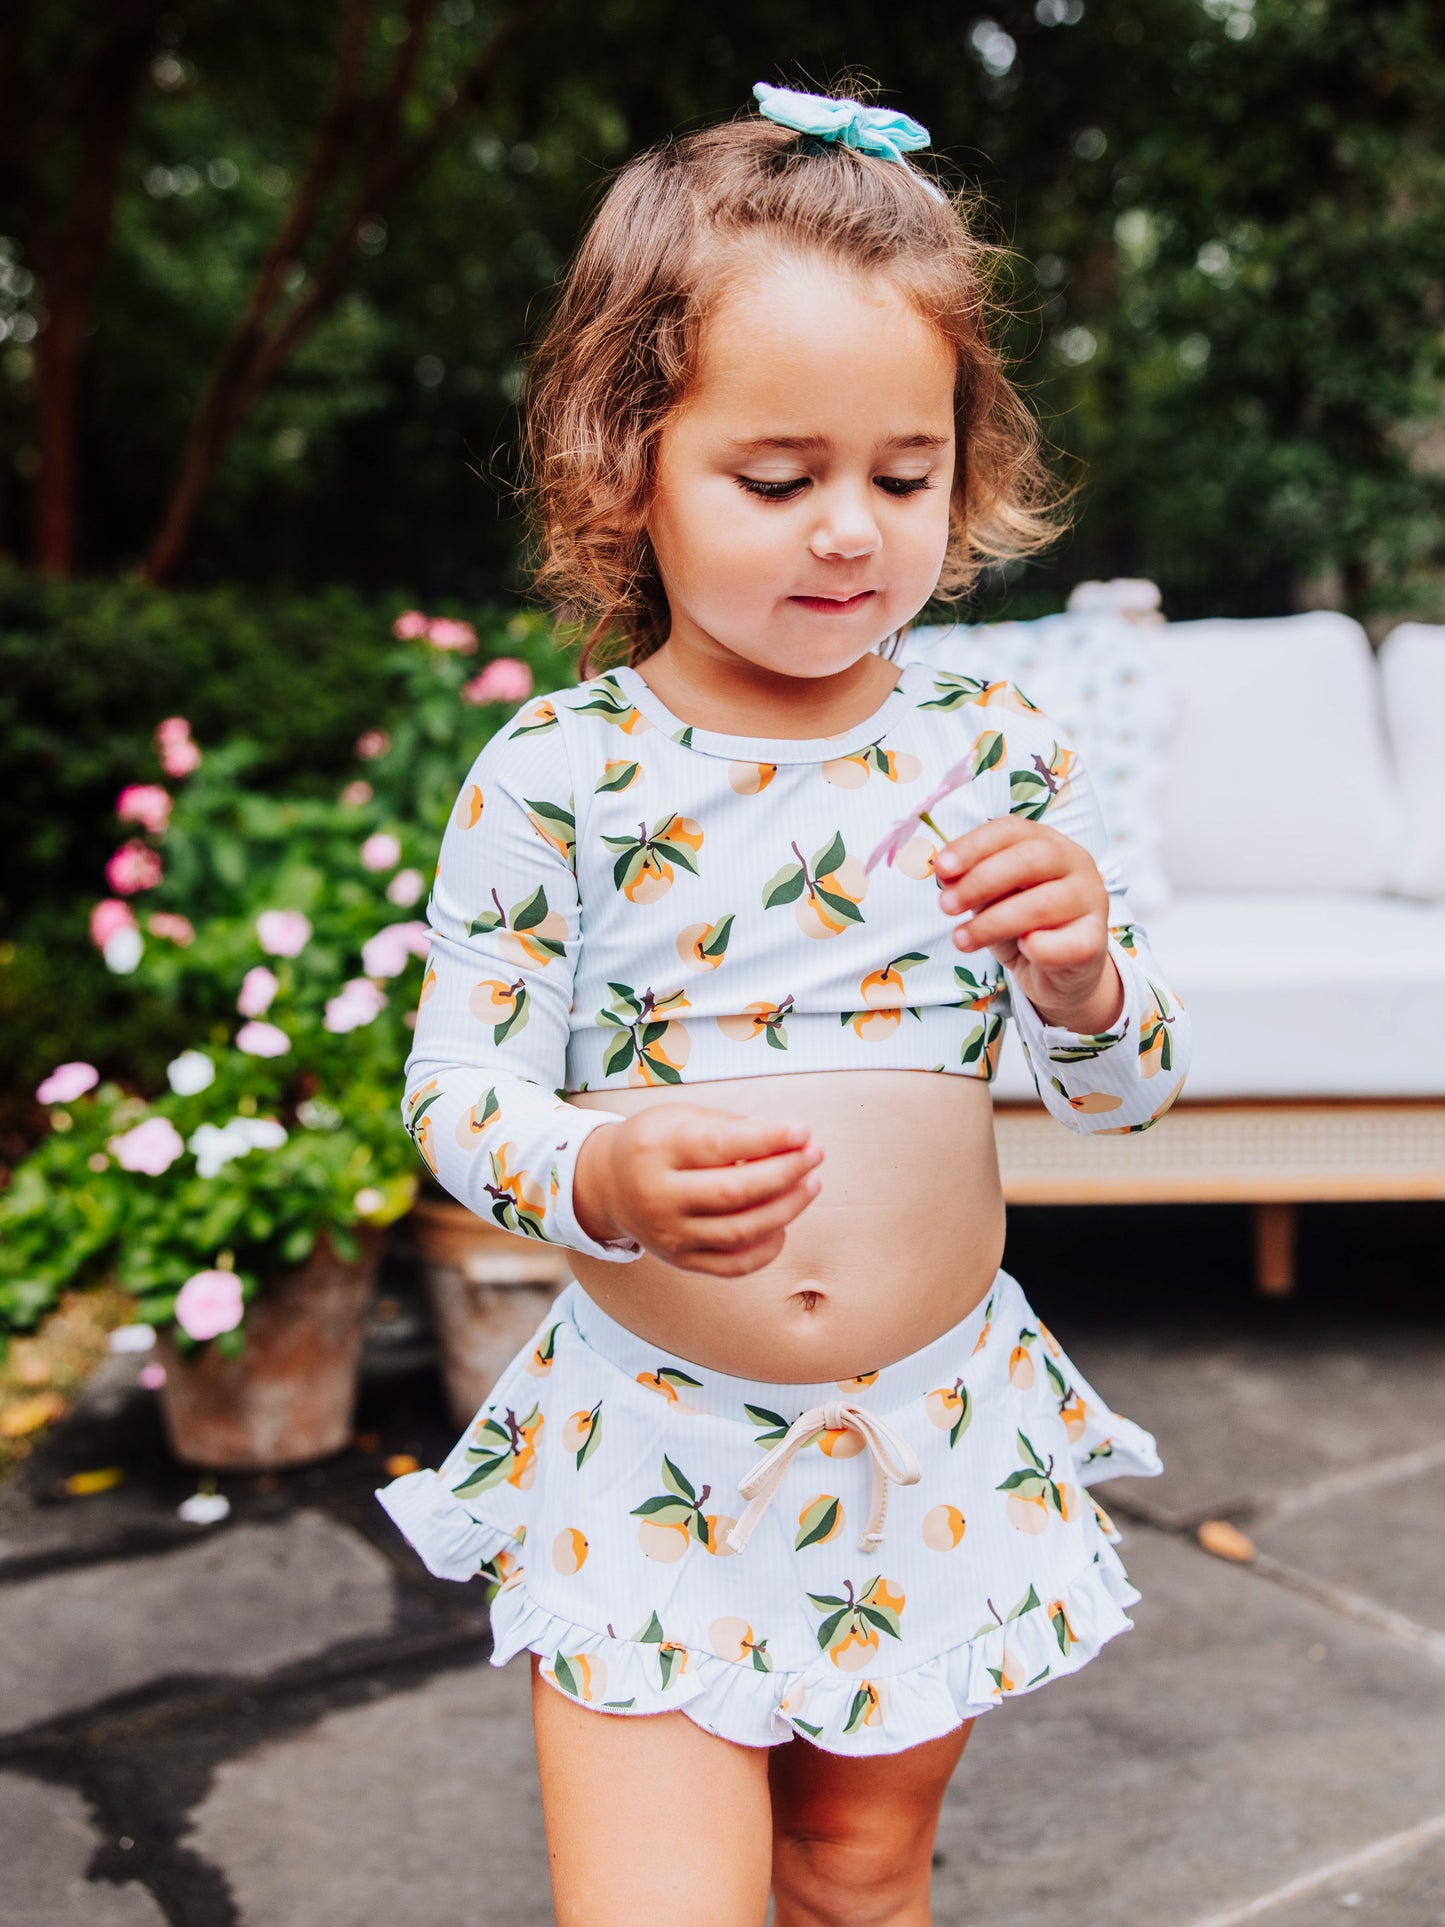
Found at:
[736, 1230]
[1046, 905]
[700, 1143]
[1064, 945]
[738, 1187]
[734, 1264]
[1000, 875]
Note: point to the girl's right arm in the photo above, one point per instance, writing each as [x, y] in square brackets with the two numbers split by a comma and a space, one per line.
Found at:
[483, 1104]
[482, 1101]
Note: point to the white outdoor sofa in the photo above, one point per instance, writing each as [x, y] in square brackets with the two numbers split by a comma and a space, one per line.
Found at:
[1277, 792]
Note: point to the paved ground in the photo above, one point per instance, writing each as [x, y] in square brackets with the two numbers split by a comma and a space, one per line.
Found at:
[282, 1721]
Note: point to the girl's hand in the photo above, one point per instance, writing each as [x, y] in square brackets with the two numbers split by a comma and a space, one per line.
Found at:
[1040, 906]
[705, 1190]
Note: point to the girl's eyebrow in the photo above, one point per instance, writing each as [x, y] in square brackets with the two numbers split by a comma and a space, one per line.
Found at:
[811, 444]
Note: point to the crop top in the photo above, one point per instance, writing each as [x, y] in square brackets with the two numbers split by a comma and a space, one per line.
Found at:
[623, 899]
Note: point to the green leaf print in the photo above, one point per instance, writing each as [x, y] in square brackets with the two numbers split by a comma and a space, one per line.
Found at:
[664, 1507]
[775, 1426]
[1026, 1604]
[715, 943]
[536, 722]
[667, 1661]
[817, 1522]
[677, 1481]
[830, 856]
[594, 1434]
[807, 1726]
[1027, 1448]
[516, 1019]
[954, 691]
[564, 1676]
[784, 887]
[979, 1044]
[617, 777]
[607, 701]
[651, 1634]
[555, 825]
[618, 1054]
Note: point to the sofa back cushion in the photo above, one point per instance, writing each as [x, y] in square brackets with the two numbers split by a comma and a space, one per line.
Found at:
[1280, 777]
[1412, 675]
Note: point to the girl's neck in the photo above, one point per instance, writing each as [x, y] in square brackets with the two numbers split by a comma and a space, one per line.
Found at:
[735, 698]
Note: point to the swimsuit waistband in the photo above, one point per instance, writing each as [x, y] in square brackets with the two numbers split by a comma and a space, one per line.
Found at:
[699, 1387]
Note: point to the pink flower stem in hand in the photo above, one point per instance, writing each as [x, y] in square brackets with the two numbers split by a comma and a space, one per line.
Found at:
[960, 774]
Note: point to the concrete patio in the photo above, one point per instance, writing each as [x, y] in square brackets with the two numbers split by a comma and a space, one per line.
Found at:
[283, 1721]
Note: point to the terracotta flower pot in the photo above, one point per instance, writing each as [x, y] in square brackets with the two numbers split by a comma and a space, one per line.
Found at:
[489, 1291]
[291, 1395]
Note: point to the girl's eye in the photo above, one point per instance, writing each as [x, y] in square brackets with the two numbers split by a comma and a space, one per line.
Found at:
[900, 485]
[774, 491]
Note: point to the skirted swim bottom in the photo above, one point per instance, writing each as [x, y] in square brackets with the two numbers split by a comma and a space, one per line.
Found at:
[866, 1562]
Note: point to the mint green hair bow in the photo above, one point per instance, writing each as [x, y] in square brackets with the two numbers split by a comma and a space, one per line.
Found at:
[872, 130]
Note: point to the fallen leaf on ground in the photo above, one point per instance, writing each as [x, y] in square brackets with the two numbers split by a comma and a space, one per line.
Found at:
[1225, 1541]
[101, 1480]
[27, 1415]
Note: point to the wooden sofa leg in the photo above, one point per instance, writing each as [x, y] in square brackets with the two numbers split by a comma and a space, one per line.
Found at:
[1275, 1228]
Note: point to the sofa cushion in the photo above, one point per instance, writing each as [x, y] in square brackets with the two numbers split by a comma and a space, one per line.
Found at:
[1091, 673]
[1412, 676]
[1298, 996]
[1280, 775]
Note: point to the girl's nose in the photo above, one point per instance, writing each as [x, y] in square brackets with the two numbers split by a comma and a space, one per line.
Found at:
[846, 531]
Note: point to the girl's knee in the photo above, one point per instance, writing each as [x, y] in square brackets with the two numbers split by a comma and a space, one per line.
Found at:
[851, 1874]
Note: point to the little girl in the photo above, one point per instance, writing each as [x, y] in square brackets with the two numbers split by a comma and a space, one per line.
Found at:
[792, 1483]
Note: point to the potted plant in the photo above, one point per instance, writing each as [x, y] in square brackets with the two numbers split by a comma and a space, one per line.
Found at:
[244, 1204]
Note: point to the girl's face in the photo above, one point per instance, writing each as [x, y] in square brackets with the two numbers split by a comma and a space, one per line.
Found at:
[800, 512]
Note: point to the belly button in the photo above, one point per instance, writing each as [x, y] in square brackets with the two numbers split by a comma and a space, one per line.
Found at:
[807, 1298]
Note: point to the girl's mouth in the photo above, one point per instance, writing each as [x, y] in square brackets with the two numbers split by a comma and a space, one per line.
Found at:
[827, 605]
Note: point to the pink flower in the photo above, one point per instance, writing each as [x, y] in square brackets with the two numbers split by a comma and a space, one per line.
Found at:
[443, 633]
[262, 1040]
[145, 803]
[409, 625]
[178, 754]
[371, 743]
[385, 954]
[180, 759]
[67, 1082]
[165, 923]
[358, 1003]
[405, 887]
[208, 1303]
[960, 774]
[135, 866]
[152, 1147]
[258, 987]
[357, 793]
[507, 680]
[152, 1375]
[381, 851]
[108, 916]
[283, 933]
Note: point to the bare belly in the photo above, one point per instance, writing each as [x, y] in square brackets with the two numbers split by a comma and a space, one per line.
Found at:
[902, 1241]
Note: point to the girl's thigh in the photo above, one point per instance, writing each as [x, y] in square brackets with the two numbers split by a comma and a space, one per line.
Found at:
[650, 1818]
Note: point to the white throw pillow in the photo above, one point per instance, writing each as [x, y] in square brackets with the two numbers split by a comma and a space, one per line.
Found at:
[1412, 673]
[1280, 776]
[1094, 675]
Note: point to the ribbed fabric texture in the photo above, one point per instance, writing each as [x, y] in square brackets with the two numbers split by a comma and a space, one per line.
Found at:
[622, 899]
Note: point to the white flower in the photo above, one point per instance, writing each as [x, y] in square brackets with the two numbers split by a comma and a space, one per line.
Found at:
[122, 950]
[204, 1508]
[317, 1115]
[214, 1145]
[367, 1200]
[132, 1338]
[189, 1073]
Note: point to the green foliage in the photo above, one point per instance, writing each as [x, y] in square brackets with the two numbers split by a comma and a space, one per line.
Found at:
[354, 866]
[1228, 276]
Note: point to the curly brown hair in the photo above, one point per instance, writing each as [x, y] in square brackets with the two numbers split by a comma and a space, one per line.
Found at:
[620, 349]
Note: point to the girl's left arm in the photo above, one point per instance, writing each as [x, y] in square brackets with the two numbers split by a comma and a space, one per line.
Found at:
[1123, 1078]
